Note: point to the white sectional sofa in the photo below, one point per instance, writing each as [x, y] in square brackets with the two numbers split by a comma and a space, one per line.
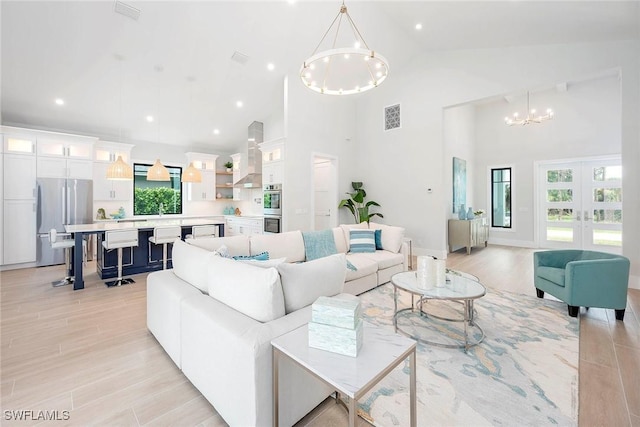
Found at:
[216, 317]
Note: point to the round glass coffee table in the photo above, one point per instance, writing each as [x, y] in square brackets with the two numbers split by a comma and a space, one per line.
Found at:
[460, 288]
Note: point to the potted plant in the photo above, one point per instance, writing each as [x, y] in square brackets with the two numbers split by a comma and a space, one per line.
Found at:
[357, 206]
[229, 166]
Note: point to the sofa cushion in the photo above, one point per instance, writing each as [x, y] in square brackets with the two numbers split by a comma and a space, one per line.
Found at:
[552, 274]
[303, 283]
[385, 259]
[364, 265]
[264, 263]
[390, 236]
[253, 291]
[362, 241]
[288, 245]
[236, 245]
[338, 238]
[189, 264]
[347, 227]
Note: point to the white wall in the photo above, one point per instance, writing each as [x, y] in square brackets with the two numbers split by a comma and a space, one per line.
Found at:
[315, 124]
[436, 80]
[587, 123]
[459, 139]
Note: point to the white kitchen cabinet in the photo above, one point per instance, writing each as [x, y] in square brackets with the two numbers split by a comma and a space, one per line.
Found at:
[243, 225]
[16, 143]
[71, 147]
[105, 151]
[19, 173]
[19, 208]
[272, 161]
[206, 189]
[108, 189]
[54, 167]
[19, 231]
[64, 156]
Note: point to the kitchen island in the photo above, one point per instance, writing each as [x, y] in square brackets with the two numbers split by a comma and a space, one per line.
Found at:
[142, 259]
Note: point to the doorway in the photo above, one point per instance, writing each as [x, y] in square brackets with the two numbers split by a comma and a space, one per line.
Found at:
[325, 195]
[581, 205]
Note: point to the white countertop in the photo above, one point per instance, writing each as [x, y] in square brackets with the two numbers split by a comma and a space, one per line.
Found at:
[153, 217]
[139, 225]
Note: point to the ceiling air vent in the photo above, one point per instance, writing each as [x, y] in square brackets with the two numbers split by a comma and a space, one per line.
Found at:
[240, 58]
[392, 117]
[126, 10]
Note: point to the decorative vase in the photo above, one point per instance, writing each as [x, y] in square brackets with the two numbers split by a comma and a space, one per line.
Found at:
[470, 214]
[461, 213]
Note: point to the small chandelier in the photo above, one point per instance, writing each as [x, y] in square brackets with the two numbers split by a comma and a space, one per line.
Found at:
[191, 174]
[531, 116]
[119, 171]
[158, 172]
[346, 70]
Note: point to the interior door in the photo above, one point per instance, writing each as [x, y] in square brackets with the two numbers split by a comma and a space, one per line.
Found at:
[581, 205]
[322, 202]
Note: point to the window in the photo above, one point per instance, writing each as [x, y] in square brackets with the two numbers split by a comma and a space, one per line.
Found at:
[150, 196]
[501, 198]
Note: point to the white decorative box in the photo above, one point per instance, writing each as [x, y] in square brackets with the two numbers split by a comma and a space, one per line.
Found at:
[337, 340]
[343, 311]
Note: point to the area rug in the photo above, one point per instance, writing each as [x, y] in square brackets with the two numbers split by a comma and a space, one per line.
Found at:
[525, 372]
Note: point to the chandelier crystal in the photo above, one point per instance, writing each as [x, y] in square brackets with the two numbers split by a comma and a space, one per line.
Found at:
[531, 116]
[344, 70]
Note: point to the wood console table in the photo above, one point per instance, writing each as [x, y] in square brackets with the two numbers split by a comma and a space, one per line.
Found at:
[466, 233]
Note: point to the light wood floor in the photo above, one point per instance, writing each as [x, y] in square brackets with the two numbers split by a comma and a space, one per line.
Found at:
[88, 352]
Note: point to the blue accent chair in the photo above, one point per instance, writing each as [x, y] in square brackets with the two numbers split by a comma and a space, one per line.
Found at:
[583, 279]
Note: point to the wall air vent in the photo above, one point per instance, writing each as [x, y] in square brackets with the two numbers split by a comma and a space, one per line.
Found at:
[392, 117]
[240, 58]
[126, 10]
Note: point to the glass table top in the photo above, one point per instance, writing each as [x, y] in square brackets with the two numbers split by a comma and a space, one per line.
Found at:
[458, 286]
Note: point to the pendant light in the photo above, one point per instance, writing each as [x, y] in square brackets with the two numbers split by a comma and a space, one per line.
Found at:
[120, 170]
[191, 174]
[158, 172]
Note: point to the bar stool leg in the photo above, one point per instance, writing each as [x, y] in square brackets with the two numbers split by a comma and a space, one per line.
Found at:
[68, 279]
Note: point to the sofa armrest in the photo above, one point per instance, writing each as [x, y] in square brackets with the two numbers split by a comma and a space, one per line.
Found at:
[405, 250]
[598, 281]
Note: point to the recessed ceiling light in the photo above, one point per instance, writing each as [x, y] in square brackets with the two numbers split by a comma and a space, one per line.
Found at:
[149, 119]
[216, 131]
[270, 66]
[418, 26]
[291, 1]
[239, 104]
[59, 101]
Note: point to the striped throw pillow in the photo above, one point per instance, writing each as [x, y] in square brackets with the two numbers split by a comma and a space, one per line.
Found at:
[362, 241]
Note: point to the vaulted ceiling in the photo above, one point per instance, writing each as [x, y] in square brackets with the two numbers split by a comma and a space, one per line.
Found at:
[175, 61]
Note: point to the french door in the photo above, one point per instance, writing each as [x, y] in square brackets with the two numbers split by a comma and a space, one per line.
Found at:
[581, 205]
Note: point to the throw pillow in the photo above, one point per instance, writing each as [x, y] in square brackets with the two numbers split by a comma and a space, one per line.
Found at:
[253, 291]
[347, 227]
[222, 251]
[391, 236]
[303, 283]
[188, 264]
[378, 237]
[362, 241]
[262, 256]
[318, 244]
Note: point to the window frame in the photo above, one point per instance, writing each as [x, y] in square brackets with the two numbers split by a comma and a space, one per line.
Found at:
[180, 187]
[512, 197]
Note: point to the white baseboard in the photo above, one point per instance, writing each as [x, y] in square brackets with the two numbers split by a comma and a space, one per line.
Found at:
[517, 243]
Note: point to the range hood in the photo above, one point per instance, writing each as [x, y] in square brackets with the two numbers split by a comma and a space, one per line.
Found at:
[253, 178]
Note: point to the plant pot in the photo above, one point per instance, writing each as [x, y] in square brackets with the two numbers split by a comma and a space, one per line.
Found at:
[229, 170]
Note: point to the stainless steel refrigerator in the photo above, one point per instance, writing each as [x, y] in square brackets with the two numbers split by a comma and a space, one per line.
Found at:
[60, 201]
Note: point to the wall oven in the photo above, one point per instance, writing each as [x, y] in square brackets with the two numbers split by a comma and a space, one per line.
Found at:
[272, 224]
[272, 200]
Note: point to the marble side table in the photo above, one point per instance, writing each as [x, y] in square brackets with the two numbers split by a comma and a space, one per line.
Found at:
[382, 350]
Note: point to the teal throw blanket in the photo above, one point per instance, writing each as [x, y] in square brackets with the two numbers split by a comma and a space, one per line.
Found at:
[319, 244]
